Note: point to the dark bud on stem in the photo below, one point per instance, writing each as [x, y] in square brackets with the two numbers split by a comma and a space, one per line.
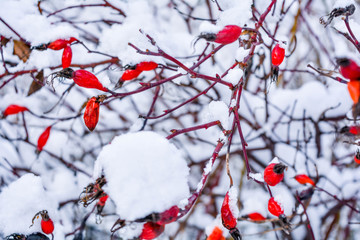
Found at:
[344, 62]
[235, 234]
[279, 168]
[336, 12]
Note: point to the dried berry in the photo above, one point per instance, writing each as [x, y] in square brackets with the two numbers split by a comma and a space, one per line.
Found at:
[91, 114]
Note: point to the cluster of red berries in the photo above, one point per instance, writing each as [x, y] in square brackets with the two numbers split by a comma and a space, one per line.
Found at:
[67, 53]
[133, 72]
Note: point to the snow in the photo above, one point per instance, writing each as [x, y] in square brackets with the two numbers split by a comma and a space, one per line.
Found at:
[218, 111]
[233, 200]
[154, 179]
[296, 119]
[343, 3]
[20, 201]
[234, 76]
[257, 176]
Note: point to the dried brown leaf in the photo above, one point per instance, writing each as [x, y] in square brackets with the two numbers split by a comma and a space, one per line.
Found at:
[36, 84]
[22, 50]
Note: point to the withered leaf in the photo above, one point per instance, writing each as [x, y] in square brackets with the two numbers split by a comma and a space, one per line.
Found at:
[22, 50]
[4, 41]
[36, 84]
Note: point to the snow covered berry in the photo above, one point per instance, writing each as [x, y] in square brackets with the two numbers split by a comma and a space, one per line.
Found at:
[275, 208]
[43, 138]
[151, 230]
[14, 109]
[277, 55]
[303, 179]
[91, 114]
[274, 173]
[230, 212]
[66, 57]
[349, 68]
[227, 216]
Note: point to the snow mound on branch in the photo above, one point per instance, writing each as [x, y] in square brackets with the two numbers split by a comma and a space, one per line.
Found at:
[20, 201]
[145, 171]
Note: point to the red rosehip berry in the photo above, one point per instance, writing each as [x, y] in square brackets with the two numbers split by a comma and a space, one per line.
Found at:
[216, 234]
[146, 66]
[274, 173]
[275, 208]
[61, 43]
[66, 57]
[354, 90]
[357, 156]
[103, 200]
[255, 216]
[303, 179]
[58, 44]
[228, 34]
[151, 230]
[47, 225]
[130, 74]
[349, 68]
[43, 138]
[277, 55]
[14, 109]
[227, 216]
[91, 114]
[168, 216]
[82, 78]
